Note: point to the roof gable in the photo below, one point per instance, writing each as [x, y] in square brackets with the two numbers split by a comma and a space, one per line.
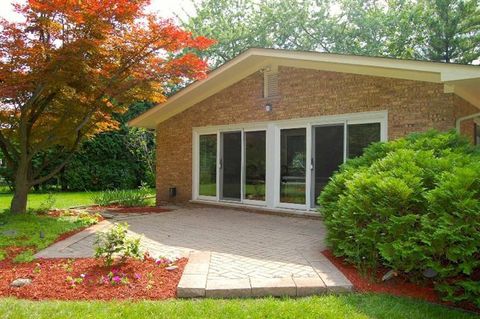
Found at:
[463, 80]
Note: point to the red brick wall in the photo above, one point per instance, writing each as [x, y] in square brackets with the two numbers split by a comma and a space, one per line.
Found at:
[412, 106]
[463, 108]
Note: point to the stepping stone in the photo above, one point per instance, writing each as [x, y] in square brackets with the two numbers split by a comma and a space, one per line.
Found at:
[228, 288]
[309, 286]
[9, 232]
[192, 286]
[276, 287]
[20, 282]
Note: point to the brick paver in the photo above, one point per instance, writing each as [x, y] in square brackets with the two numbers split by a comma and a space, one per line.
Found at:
[241, 245]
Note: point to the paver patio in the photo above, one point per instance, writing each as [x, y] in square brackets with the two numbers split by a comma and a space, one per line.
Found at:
[232, 253]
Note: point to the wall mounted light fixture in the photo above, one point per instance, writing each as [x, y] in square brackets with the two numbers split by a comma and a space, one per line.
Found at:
[268, 107]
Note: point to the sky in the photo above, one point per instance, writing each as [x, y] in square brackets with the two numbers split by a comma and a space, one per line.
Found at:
[166, 8]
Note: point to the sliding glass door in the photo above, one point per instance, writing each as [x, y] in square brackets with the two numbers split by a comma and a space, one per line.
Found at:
[241, 166]
[208, 165]
[328, 150]
[255, 167]
[332, 145]
[360, 136]
[293, 154]
[284, 164]
[231, 166]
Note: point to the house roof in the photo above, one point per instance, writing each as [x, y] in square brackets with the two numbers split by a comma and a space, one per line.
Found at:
[463, 80]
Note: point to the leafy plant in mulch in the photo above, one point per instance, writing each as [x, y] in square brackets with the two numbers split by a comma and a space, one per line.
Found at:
[74, 281]
[127, 198]
[412, 205]
[115, 244]
[114, 277]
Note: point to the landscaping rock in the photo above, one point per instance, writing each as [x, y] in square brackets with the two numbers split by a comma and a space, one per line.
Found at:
[20, 282]
[389, 275]
[170, 268]
[9, 232]
[430, 273]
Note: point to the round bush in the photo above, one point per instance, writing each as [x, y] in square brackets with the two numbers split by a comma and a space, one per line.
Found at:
[411, 204]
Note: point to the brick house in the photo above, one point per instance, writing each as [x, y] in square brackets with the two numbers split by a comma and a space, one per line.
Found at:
[270, 127]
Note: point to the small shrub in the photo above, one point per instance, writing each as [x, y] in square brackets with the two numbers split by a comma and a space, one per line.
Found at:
[46, 205]
[412, 204]
[115, 243]
[25, 257]
[128, 198]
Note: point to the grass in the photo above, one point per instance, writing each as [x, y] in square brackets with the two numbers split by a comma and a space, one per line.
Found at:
[352, 306]
[61, 200]
[35, 232]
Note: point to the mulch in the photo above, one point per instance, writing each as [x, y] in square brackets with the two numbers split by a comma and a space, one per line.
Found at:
[52, 278]
[146, 279]
[399, 285]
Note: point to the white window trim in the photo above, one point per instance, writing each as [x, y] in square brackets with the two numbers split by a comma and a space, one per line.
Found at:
[272, 129]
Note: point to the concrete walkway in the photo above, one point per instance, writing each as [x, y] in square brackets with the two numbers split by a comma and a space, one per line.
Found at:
[231, 253]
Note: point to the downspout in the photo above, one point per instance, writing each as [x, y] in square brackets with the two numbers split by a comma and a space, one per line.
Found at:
[459, 121]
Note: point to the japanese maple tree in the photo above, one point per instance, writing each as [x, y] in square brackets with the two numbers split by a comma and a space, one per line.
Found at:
[72, 63]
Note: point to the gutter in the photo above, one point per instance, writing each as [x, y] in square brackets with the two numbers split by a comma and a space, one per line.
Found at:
[459, 121]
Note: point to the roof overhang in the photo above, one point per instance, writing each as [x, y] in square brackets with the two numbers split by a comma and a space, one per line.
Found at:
[463, 80]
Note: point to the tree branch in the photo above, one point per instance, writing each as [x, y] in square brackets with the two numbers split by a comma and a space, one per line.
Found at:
[59, 167]
[7, 148]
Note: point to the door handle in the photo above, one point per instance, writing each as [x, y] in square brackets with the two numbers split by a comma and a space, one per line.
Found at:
[312, 164]
[220, 164]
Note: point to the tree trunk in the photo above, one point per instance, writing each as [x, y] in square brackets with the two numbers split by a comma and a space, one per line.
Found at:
[19, 201]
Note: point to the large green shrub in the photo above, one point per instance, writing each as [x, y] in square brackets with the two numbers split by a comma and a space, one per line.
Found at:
[412, 204]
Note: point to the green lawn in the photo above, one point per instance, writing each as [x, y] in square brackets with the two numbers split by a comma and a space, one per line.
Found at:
[351, 306]
[35, 231]
[62, 200]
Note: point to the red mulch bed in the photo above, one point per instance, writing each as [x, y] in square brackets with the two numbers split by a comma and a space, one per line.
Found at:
[146, 280]
[123, 209]
[398, 286]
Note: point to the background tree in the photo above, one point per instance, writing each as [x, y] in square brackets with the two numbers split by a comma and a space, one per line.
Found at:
[69, 66]
[436, 30]
[119, 159]
[452, 30]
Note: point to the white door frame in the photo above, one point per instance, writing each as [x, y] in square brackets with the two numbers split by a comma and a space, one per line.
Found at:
[272, 161]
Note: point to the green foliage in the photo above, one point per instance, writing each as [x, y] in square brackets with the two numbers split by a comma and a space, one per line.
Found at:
[411, 204]
[121, 159]
[25, 257]
[128, 198]
[115, 243]
[46, 205]
[438, 30]
[452, 29]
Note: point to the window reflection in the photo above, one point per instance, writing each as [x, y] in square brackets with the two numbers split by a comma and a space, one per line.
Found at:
[293, 165]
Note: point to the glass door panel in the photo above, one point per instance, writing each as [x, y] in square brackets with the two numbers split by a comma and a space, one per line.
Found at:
[360, 136]
[293, 165]
[255, 143]
[208, 165]
[328, 148]
[231, 165]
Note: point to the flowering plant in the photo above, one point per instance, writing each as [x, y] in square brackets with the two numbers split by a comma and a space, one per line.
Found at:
[115, 277]
[163, 261]
[74, 281]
